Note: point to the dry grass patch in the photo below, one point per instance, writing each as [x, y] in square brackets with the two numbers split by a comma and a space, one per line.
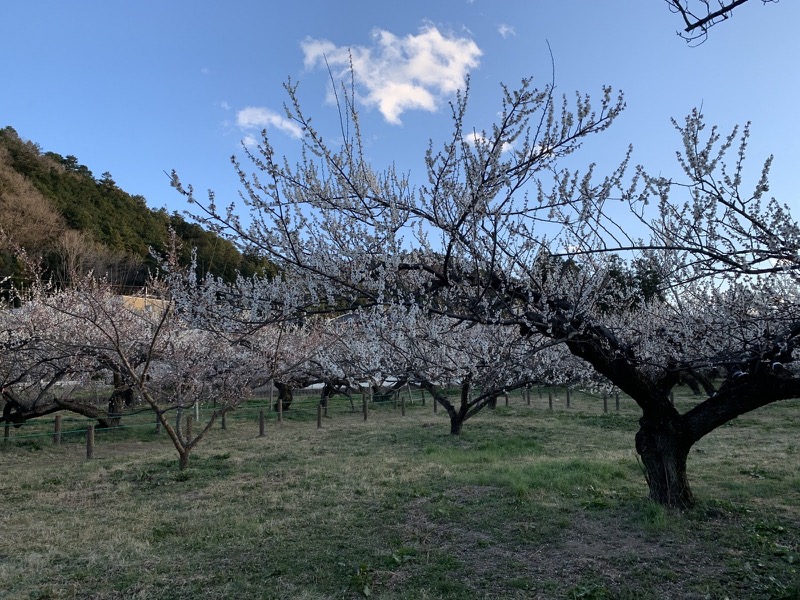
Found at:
[527, 503]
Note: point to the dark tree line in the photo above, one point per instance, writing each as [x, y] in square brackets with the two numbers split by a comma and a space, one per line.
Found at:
[54, 207]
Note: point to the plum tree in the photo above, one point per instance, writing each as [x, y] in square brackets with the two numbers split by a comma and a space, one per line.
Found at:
[503, 235]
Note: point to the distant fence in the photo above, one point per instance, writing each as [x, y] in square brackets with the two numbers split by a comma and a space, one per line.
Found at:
[306, 406]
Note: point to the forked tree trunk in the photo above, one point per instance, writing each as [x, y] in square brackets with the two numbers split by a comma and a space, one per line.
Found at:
[456, 422]
[458, 416]
[664, 451]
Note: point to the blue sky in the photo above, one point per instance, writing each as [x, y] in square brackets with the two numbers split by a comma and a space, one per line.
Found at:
[140, 87]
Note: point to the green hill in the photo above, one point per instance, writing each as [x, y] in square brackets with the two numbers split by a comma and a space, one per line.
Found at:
[56, 209]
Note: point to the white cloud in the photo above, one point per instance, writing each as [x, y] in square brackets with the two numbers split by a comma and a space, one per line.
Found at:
[506, 30]
[256, 117]
[398, 74]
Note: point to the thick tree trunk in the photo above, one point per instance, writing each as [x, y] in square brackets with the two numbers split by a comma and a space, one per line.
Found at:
[121, 397]
[457, 417]
[115, 406]
[664, 451]
[284, 396]
[456, 423]
[183, 460]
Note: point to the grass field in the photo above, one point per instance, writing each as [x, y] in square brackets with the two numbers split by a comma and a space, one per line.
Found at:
[526, 503]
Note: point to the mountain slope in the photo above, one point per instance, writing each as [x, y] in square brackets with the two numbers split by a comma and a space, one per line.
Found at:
[56, 209]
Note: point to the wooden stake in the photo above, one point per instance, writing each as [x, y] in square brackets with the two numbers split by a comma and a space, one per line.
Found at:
[90, 442]
[57, 431]
[262, 422]
[319, 415]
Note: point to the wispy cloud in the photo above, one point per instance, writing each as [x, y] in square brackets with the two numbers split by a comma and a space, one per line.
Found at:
[396, 74]
[253, 118]
[506, 30]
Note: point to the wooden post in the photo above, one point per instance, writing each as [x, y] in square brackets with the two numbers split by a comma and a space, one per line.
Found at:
[280, 406]
[550, 399]
[90, 442]
[528, 395]
[6, 432]
[605, 403]
[569, 397]
[364, 404]
[506, 398]
[262, 422]
[435, 405]
[402, 406]
[271, 389]
[319, 415]
[410, 397]
[158, 423]
[57, 431]
[222, 421]
[616, 400]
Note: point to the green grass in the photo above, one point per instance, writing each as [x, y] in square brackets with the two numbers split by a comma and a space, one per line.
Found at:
[526, 503]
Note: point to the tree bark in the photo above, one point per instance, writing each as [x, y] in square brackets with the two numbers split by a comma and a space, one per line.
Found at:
[664, 448]
[183, 460]
[456, 422]
[284, 396]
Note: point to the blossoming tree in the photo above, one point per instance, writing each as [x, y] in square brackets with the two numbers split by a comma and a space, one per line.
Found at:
[504, 235]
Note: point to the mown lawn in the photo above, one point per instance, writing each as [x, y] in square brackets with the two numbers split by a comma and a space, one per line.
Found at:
[526, 503]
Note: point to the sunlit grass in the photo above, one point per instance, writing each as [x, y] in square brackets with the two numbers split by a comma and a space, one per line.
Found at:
[525, 503]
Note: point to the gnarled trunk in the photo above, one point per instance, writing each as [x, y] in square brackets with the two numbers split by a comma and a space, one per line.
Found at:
[664, 448]
[285, 396]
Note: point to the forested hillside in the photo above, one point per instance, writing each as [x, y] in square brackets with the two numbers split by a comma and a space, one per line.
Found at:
[57, 210]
